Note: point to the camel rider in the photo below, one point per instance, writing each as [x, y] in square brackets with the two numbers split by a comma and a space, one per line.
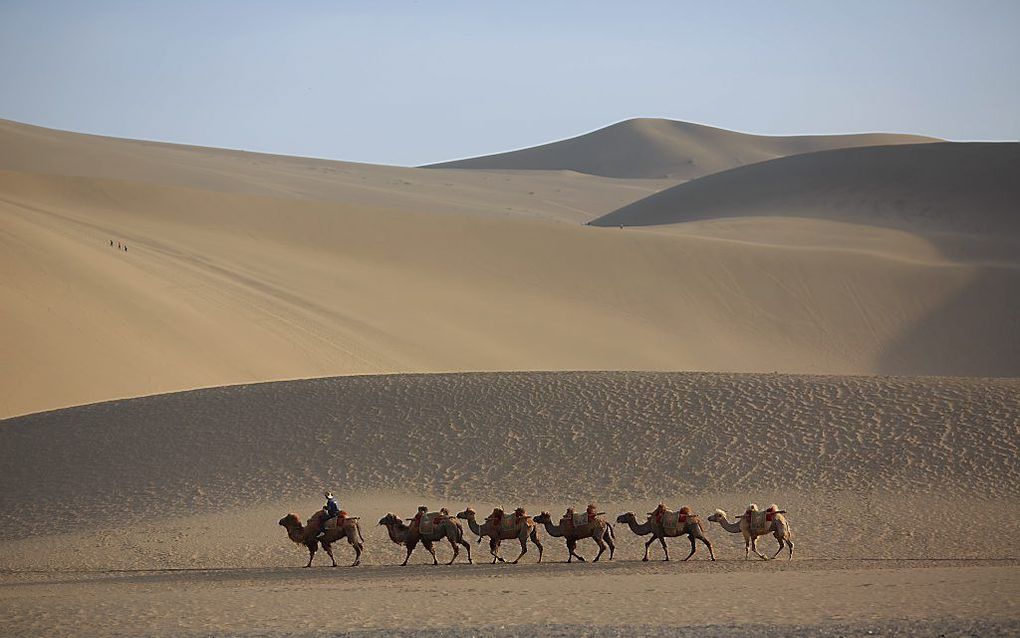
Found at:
[331, 509]
[592, 511]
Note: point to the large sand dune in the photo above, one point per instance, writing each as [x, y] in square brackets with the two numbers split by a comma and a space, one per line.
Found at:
[648, 147]
[245, 268]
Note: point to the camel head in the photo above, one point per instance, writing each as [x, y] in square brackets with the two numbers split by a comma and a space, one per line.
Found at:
[467, 514]
[390, 519]
[290, 520]
[718, 515]
[544, 517]
[625, 518]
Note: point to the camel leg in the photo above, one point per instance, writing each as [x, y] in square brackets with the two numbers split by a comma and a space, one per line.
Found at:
[778, 551]
[524, 548]
[789, 543]
[665, 549]
[467, 546]
[329, 550]
[754, 547]
[494, 550]
[747, 547]
[358, 548]
[708, 543]
[311, 552]
[647, 545]
[602, 548]
[694, 548]
[410, 548]
[538, 544]
[571, 546]
[609, 541]
[432, 550]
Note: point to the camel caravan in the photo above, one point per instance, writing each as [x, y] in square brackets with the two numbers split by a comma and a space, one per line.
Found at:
[331, 524]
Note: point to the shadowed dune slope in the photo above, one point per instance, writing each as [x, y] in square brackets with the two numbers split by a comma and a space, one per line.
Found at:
[955, 187]
[510, 436]
[648, 147]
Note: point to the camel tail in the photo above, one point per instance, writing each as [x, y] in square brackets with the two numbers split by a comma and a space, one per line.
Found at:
[357, 526]
[612, 534]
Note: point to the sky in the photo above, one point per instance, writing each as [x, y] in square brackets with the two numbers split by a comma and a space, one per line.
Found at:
[415, 82]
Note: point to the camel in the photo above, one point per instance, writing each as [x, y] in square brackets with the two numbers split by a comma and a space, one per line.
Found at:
[449, 528]
[309, 536]
[600, 531]
[778, 526]
[691, 528]
[524, 528]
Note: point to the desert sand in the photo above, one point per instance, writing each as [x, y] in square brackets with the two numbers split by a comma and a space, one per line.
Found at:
[244, 267]
[890, 483]
[461, 336]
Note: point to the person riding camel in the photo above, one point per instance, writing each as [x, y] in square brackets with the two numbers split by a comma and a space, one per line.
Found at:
[591, 511]
[330, 510]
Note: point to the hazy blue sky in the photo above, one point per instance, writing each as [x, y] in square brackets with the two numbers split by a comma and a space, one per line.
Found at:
[414, 82]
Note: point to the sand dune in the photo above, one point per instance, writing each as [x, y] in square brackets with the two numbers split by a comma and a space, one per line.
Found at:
[545, 439]
[221, 288]
[548, 195]
[929, 188]
[648, 147]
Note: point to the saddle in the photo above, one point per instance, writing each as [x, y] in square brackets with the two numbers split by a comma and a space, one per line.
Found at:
[577, 521]
[339, 521]
[428, 523]
[757, 522]
[670, 521]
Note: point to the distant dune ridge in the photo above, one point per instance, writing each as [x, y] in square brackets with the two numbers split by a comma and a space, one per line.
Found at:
[649, 148]
[965, 187]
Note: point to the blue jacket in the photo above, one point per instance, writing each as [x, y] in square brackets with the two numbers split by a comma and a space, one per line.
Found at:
[331, 507]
